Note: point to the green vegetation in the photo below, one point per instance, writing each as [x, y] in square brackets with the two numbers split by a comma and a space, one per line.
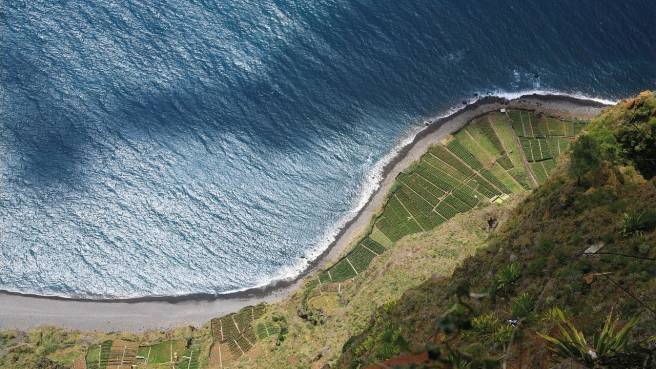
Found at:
[451, 179]
[584, 242]
[610, 341]
[462, 267]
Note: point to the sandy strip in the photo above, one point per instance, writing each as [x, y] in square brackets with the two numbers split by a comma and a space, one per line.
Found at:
[23, 312]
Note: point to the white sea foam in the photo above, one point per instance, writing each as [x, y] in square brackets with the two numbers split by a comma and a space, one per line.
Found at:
[372, 183]
[375, 177]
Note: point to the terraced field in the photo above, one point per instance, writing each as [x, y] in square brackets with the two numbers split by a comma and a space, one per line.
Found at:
[235, 332]
[98, 355]
[495, 155]
[267, 329]
[189, 359]
[166, 353]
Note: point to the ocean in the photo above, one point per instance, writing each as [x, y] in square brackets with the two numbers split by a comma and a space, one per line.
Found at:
[157, 148]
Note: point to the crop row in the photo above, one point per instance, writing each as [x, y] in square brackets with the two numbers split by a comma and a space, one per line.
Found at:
[190, 359]
[267, 329]
[231, 326]
[446, 210]
[487, 129]
[358, 258]
[446, 156]
[422, 187]
[494, 180]
[536, 149]
[461, 152]
[98, 355]
[421, 210]
[342, 271]
[448, 170]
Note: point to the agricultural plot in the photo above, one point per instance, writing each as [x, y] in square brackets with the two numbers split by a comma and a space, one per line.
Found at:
[422, 187]
[447, 157]
[506, 135]
[477, 143]
[497, 154]
[520, 127]
[458, 150]
[122, 355]
[436, 177]
[161, 353]
[232, 325]
[494, 181]
[236, 330]
[485, 127]
[556, 127]
[539, 171]
[446, 210]
[355, 262]
[372, 245]
[559, 145]
[521, 177]
[505, 162]
[98, 355]
[360, 258]
[396, 221]
[267, 329]
[420, 209]
[536, 149]
[452, 175]
[189, 359]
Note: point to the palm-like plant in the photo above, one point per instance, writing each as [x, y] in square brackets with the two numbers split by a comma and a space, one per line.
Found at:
[572, 343]
[522, 305]
[507, 276]
[632, 224]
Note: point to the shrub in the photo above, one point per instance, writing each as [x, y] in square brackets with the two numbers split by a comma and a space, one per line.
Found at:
[573, 344]
[522, 305]
[506, 277]
[503, 334]
[485, 324]
[638, 223]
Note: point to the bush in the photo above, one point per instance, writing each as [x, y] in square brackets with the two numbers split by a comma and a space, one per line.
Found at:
[638, 223]
[485, 324]
[609, 341]
[522, 306]
[506, 277]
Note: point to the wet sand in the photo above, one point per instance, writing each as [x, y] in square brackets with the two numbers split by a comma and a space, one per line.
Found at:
[26, 311]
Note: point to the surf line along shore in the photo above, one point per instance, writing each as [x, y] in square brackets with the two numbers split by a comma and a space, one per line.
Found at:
[24, 311]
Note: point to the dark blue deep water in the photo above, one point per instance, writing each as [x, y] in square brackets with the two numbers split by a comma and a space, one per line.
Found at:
[174, 147]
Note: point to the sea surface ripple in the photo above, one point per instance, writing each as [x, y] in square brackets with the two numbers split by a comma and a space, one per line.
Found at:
[178, 147]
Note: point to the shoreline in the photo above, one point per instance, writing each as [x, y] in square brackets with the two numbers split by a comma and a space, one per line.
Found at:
[21, 310]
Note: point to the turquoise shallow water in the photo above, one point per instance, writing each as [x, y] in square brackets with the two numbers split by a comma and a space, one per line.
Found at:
[167, 148]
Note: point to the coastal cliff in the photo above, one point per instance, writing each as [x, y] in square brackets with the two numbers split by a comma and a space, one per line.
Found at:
[523, 221]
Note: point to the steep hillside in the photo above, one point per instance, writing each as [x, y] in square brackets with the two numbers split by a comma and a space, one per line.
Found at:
[471, 251]
[578, 251]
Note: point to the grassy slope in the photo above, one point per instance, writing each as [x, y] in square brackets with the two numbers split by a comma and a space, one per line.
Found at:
[413, 260]
[544, 239]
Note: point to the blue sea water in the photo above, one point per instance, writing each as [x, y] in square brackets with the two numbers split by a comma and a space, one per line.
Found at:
[176, 147]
